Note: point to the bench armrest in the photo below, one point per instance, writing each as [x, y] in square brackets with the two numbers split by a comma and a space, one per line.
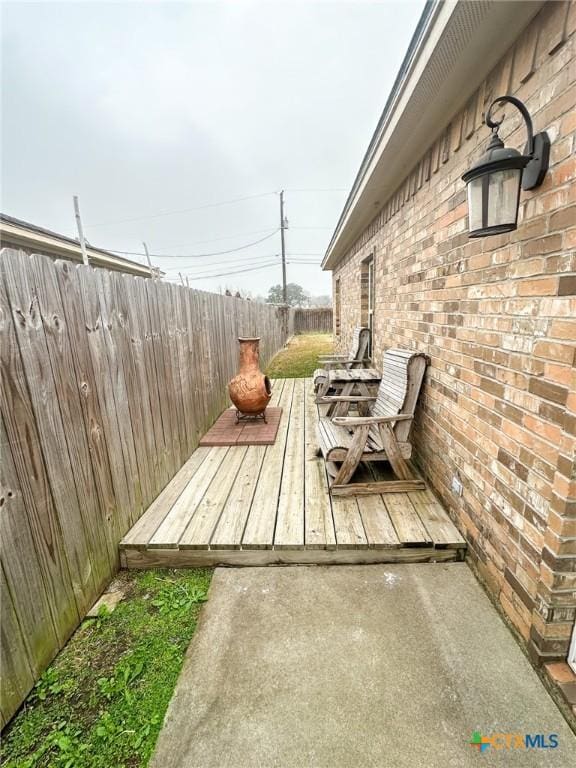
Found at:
[337, 358]
[358, 421]
[346, 399]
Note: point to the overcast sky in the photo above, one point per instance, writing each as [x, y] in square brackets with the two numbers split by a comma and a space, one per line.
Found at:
[143, 109]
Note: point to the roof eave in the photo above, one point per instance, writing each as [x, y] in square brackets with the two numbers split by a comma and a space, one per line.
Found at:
[60, 246]
[461, 34]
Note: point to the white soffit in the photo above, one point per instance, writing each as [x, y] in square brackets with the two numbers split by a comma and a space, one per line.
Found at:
[460, 46]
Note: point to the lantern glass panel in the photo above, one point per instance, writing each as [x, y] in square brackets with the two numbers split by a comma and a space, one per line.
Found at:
[503, 196]
[475, 203]
[493, 202]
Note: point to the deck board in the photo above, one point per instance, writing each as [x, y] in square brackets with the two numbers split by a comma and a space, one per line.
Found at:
[228, 533]
[206, 516]
[289, 532]
[178, 519]
[318, 522]
[380, 531]
[264, 505]
[230, 528]
[259, 533]
[141, 533]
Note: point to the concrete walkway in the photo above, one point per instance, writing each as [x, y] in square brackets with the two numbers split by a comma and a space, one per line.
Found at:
[330, 667]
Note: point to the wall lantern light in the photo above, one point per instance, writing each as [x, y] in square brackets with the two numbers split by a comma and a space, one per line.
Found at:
[494, 181]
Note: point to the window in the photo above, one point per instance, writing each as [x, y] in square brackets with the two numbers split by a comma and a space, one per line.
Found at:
[367, 295]
[337, 307]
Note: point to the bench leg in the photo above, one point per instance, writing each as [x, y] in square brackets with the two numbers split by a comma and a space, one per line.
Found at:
[341, 409]
[353, 456]
[397, 461]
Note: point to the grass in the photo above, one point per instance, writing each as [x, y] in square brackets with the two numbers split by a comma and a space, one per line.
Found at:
[102, 701]
[300, 356]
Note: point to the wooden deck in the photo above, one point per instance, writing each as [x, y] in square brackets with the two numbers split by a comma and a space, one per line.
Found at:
[264, 505]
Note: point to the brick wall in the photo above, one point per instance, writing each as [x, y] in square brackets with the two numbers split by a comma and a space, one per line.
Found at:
[498, 318]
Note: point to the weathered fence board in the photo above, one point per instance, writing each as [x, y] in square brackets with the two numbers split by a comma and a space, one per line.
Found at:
[74, 321]
[312, 320]
[23, 567]
[22, 435]
[17, 677]
[44, 400]
[108, 381]
[45, 288]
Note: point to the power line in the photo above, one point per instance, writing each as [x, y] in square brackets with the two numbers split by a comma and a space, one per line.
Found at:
[235, 272]
[333, 189]
[253, 260]
[182, 210]
[256, 260]
[211, 240]
[232, 262]
[203, 207]
[196, 255]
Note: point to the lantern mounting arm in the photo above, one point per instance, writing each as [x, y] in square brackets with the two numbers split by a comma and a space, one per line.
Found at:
[537, 147]
[521, 107]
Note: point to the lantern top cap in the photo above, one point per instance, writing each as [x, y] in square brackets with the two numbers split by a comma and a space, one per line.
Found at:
[496, 158]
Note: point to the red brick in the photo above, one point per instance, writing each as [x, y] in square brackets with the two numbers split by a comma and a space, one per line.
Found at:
[563, 219]
[541, 286]
[542, 245]
[562, 353]
[497, 316]
[564, 172]
[563, 329]
[567, 285]
[560, 672]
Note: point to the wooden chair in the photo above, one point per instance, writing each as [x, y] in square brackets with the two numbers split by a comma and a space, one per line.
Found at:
[357, 357]
[383, 435]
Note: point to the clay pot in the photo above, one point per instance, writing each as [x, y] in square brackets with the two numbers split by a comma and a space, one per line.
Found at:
[250, 390]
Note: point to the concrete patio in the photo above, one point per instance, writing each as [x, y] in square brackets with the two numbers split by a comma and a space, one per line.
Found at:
[330, 667]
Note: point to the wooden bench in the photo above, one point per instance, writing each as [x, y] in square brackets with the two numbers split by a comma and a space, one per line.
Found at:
[383, 435]
[356, 358]
[360, 382]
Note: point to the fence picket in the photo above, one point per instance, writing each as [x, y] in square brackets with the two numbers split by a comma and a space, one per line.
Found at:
[48, 417]
[108, 496]
[22, 566]
[108, 382]
[46, 290]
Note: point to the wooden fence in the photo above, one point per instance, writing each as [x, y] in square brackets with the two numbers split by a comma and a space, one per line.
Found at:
[312, 320]
[108, 382]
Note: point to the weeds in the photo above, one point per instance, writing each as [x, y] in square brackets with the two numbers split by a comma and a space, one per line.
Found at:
[102, 701]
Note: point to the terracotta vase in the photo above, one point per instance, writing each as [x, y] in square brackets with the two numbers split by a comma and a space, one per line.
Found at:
[250, 390]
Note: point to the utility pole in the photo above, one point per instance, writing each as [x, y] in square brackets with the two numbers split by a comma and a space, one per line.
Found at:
[282, 228]
[80, 231]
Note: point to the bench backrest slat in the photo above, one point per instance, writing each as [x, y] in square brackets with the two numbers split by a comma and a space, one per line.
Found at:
[402, 375]
[360, 344]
